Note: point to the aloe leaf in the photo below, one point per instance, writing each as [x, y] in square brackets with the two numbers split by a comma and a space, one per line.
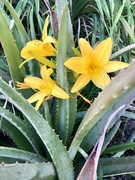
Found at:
[42, 171]
[89, 142]
[112, 93]
[11, 50]
[5, 75]
[20, 155]
[62, 112]
[60, 6]
[118, 166]
[54, 146]
[17, 137]
[47, 113]
[66, 109]
[24, 135]
[59, 9]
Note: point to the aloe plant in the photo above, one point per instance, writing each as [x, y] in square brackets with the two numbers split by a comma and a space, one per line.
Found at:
[51, 143]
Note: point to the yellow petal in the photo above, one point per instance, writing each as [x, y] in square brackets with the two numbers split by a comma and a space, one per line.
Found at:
[101, 54]
[36, 97]
[44, 33]
[82, 81]
[85, 48]
[49, 39]
[42, 59]
[59, 93]
[34, 82]
[48, 49]
[77, 64]
[112, 66]
[39, 102]
[45, 74]
[100, 79]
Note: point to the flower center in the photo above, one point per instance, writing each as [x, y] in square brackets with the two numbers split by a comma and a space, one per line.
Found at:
[93, 68]
[44, 88]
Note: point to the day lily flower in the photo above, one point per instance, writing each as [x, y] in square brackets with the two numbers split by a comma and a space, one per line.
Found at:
[39, 48]
[94, 64]
[46, 88]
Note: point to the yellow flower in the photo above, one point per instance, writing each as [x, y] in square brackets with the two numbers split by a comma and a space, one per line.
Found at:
[46, 88]
[94, 64]
[38, 49]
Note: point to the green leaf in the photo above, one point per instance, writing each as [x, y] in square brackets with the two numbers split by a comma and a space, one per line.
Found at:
[129, 29]
[20, 155]
[37, 171]
[122, 51]
[23, 135]
[77, 7]
[53, 144]
[17, 137]
[66, 109]
[59, 9]
[118, 166]
[20, 27]
[117, 18]
[119, 148]
[11, 50]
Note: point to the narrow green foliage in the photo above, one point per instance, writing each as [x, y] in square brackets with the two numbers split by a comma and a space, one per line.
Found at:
[77, 6]
[119, 147]
[117, 17]
[23, 34]
[39, 18]
[11, 50]
[32, 29]
[122, 51]
[128, 28]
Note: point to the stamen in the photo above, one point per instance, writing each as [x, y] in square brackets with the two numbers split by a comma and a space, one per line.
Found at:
[37, 42]
[85, 99]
